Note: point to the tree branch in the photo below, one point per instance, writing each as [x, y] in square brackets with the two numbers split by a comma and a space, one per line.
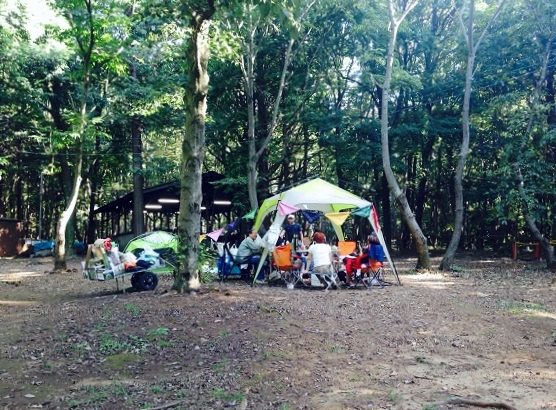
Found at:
[497, 405]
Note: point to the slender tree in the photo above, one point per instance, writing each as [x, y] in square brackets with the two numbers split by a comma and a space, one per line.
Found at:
[82, 23]
[472, 48]
[526, 202]
[258, 19]
[423, 260]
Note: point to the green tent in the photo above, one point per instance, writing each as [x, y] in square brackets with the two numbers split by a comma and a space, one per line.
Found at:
[162, 242]
[156, 240]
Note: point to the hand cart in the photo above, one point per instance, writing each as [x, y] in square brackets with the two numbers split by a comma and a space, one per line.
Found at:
[102, 265]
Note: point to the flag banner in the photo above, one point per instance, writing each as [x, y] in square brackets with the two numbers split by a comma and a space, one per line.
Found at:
[232, 227]
[285, 209]
[214, 235]
[337, 218]
[311, 216]
[250, 215]
[363, 212]
[375, 218]
[202, 237]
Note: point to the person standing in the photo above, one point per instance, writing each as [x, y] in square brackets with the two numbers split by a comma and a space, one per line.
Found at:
[293, 232]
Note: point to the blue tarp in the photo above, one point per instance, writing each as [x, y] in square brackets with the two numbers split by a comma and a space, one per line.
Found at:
[41, 246]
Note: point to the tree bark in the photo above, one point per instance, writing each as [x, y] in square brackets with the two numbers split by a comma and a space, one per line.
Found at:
[138, 227]
[423, 258]
[93, 184]
[193, 145]
[62, 224]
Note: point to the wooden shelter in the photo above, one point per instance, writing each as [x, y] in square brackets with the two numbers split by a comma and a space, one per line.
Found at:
[161, 211]
[11, 236]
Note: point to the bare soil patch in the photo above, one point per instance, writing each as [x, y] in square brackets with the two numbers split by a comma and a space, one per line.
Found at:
[485, 333]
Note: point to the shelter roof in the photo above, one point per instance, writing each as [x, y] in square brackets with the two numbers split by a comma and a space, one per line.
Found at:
[164, 198]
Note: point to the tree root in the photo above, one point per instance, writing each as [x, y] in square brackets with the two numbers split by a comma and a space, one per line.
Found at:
[167, 406]
[496, 405]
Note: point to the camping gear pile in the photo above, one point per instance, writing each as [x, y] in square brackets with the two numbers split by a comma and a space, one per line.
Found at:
[141, 259]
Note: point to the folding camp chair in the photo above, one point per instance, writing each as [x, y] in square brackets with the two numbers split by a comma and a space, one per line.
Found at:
[283, 265]
[227, 263]
[375, 273]
[329, 280]
[361, 276]
[346, 247]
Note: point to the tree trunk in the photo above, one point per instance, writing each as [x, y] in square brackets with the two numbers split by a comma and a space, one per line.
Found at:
[91, 224]
[63, 221]
[386, 212]
[138, 201]
[93, 186]
[547, 248]
[67, 182]
[255, 153]
[423, 258]
[450, 254]
[248, 69]
[193, 146]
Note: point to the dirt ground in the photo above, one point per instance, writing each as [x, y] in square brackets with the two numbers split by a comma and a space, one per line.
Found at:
[484, 335]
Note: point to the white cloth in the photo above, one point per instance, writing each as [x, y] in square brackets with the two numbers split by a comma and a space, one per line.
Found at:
[271, 236]
[320, 254]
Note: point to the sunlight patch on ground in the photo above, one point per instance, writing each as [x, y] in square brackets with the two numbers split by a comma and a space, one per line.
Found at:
[95, 381]
[530, 374]
[18, 275]
[544, 314]
[430, 281]
[436, 285]
[17, 302]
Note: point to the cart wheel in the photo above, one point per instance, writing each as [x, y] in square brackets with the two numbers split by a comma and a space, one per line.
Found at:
[135, 280]
[148, 281]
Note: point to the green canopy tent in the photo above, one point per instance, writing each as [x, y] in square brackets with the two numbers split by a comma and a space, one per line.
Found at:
[316, 195]
[155, 240]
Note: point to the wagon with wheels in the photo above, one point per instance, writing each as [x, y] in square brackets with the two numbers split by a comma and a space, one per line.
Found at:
[143, 259]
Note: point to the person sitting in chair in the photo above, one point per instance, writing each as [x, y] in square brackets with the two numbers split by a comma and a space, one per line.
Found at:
[361, 258]
[320, 254]
[376, 252]
[248, 253]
